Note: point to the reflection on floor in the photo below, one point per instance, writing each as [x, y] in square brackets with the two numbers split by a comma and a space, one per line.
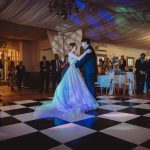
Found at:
[121, 123]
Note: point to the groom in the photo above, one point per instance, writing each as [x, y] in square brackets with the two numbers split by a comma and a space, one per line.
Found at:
[89, 65]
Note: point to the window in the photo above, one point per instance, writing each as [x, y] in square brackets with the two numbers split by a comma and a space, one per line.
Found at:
[6, 53]
[130, 61]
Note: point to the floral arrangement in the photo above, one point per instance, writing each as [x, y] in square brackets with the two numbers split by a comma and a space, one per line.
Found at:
[115, 60]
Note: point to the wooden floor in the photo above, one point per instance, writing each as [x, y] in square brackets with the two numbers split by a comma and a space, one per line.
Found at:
[27, 94]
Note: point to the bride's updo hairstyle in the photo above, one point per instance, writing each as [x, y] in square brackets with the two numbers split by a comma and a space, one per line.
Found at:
[71, 45]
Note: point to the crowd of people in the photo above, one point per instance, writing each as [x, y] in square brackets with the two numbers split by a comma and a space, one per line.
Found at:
[53, 69]
[15, 75]
[120, 67]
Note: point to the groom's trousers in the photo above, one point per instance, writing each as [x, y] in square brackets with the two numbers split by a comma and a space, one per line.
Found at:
[89, 80]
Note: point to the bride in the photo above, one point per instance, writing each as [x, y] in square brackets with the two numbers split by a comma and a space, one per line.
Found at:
[71, 95]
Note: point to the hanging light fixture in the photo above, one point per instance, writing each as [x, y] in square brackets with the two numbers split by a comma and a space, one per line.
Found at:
[63, 8]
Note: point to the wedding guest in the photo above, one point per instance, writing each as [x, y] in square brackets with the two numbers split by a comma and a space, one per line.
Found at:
[20, 74]
[122, 63]
[100, 66]
[140, 73]
[106, 71]
[148, 76]
[64, 66]
[117, 71]
[1, 67]
[11, 75]
[44, 74]
[56, 71]
[105, 62]
[130, 68]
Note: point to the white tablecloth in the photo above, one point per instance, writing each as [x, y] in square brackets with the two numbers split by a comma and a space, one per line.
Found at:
[108, 81]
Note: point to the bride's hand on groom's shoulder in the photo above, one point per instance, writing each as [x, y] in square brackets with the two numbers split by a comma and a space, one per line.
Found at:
[88, 51]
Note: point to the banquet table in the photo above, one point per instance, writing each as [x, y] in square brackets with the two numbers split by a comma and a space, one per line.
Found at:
[109, 81]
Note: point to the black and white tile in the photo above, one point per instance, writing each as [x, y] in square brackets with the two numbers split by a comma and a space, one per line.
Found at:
[119, 122]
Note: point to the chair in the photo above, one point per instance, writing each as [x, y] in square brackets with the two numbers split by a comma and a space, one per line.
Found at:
[130, 83]
[103, 82]
[119, 82]
[111, 83]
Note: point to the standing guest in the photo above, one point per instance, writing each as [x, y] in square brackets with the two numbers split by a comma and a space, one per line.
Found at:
[11, 75]
[100, 66]
[105, 62]
[148, 76]
[44, 75]
[140, 66]
[65, 65]
[1, 67]
[56, 71]
[122, 63]
[20, 74]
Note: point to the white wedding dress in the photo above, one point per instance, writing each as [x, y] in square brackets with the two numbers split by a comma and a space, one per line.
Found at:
[71, 96]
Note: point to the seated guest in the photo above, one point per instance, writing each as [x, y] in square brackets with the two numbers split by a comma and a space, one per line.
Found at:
[102, 72]
[117, 71]
[64, 66]
[130, 69]
[148, 76]
[106, 71]
[105, 62]
[140, 73]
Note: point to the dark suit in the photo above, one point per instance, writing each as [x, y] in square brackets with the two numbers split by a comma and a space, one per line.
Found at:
[19, 75]
[140, 78]
[122, 65]
[1, 67]
[56, 72]
[44, 75]
[148, 74]
[1, 64]
[89, 65]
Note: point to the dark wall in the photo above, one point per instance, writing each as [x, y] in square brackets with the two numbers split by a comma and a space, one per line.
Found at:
[32, 80]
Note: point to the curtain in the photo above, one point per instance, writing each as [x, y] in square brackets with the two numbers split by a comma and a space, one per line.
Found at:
[59, 41]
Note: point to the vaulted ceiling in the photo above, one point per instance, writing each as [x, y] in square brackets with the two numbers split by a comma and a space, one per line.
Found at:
[125, 22]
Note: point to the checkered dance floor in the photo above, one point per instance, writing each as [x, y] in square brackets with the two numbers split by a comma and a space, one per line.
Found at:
[120, 124]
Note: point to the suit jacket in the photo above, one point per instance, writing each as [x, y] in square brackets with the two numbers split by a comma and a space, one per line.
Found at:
[140, 66]
[53, 65]
[88, 62]
[20, 70]
[45, 67]
[148, 68]
[1, 65]
[123, 65]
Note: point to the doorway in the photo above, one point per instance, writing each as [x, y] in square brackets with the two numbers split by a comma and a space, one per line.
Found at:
[6, 55]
